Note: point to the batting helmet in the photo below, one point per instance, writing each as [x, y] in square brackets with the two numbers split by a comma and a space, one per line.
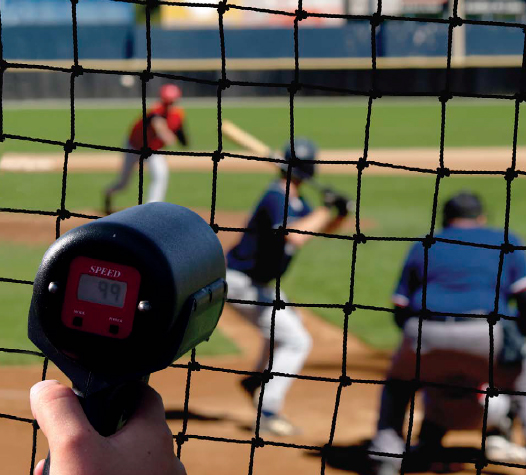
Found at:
[463, 205]
[304, 150]
[169, 93]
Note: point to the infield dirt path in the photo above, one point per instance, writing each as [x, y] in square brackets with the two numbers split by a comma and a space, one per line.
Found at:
[483, 158]
[218, 407]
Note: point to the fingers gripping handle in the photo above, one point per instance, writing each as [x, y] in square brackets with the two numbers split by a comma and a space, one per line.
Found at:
[108, 410]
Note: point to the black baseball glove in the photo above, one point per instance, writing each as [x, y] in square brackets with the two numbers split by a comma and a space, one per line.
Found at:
[334, 200]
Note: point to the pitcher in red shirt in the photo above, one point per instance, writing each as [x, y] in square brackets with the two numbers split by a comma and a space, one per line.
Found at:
[164, 127]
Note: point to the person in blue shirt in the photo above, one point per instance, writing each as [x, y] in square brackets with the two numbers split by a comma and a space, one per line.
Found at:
[461, 279]
[262, 255]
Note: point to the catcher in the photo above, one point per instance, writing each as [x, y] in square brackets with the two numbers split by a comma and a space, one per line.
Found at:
[164, 127]
[261, 256]
[461, 279]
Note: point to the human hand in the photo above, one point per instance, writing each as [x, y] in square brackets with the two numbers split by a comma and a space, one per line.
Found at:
[143, 445]
[341, 203]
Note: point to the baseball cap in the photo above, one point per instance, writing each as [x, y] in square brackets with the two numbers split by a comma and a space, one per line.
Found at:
[304, 149]
[170, 93]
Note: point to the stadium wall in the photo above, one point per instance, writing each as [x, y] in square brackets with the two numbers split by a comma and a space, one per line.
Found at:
[123, 41]
[22, 85]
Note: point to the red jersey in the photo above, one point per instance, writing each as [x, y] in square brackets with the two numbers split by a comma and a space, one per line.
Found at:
[174, 118]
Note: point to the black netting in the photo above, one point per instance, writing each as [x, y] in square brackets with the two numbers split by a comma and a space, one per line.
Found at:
[358, 238]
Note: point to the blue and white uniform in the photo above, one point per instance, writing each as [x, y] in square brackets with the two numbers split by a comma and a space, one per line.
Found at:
[460, 279]
[253, 264]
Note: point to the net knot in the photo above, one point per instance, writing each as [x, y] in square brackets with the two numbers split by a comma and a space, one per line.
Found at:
[224, 84]
[349, 308]
[520, 96]
[507, 247]
[345, 381]
[301, 14]
[493, 318]
[294, 87]
[194, 366]
[69, 146]
[445, 96]
[455, 21]
[215, 227]
[510, 174]
[492, 392]
[481, 463]
[376, 19]
[2, 138]
[74, 2]
[281, 231]
[217, 156]
[279, 304]
[35, 424]
[3, 65]
[362, 163]
[77, 70]
[63, 214]
[325, 449]
[146, 152]
[375, 94]
[181, 438]
[265, 376]
[428, 241]
[258, 442]
[360, 238]
[443, 172]
[146, 75]
[222, 7]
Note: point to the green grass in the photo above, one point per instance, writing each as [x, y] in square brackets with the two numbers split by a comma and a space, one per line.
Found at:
[397, 206]
[331, 124]
[21, 262]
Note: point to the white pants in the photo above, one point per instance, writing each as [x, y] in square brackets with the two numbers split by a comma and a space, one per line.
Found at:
[292, 342]
[158, 176]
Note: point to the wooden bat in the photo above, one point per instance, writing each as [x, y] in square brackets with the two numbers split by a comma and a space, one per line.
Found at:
[245, 139]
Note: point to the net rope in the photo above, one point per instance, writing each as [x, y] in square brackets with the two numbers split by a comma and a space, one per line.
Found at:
[358, 238]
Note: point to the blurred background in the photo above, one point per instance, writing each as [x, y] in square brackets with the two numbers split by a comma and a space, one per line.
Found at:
[259, 46]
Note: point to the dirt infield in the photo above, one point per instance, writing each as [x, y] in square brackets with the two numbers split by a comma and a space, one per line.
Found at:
[483, 158]
[31, 229]
[218, 408]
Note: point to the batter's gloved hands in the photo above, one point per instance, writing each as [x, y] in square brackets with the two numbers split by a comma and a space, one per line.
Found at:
[337, 201]
[143, 445]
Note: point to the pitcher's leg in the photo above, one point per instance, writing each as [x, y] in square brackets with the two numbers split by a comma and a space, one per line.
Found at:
[158, 178]
[129, 161]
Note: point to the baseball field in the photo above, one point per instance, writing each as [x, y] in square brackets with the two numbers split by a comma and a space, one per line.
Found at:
[394, 203]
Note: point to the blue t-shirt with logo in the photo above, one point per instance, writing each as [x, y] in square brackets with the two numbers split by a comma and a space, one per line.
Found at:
[462, 279]
[262, 253]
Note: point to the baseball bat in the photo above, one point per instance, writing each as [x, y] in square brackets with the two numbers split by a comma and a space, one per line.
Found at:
[244, 139]
[257, 147]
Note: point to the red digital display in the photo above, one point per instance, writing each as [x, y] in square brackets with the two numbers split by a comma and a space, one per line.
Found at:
[101, 297]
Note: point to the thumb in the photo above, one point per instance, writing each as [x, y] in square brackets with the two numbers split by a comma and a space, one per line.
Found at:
[59, 413]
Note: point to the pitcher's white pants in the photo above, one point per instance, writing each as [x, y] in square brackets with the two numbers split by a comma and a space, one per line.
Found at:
[292, 342]
[158, 176]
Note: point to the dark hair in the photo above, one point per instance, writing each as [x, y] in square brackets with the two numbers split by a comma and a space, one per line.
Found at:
[463, 205]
